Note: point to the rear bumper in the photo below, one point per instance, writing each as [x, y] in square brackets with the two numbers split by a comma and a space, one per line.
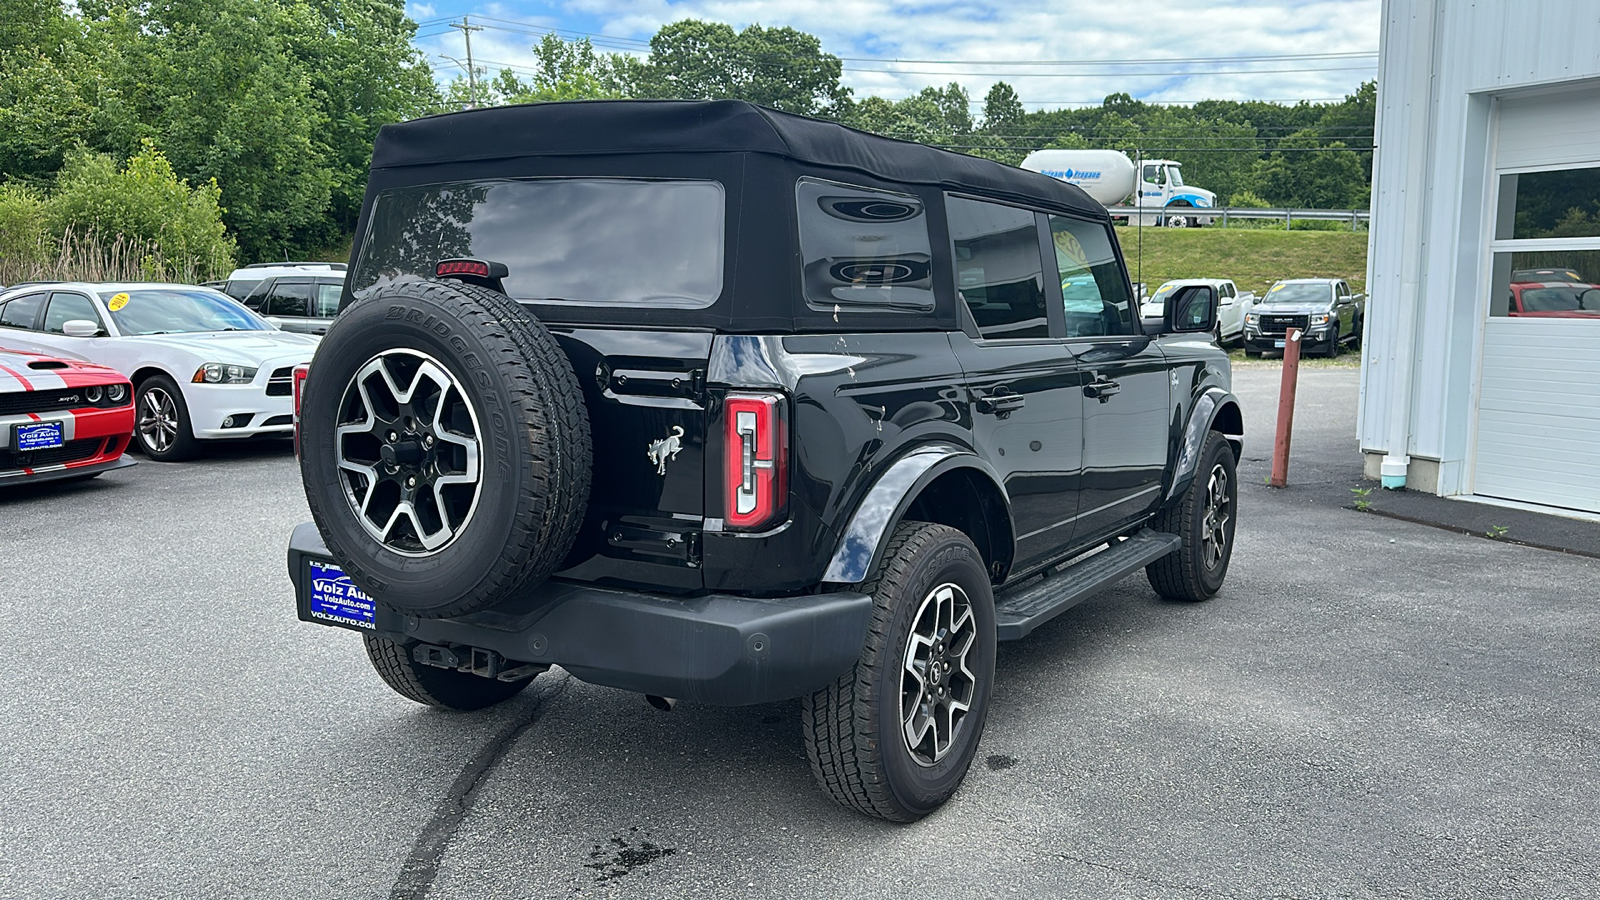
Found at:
[720, 649]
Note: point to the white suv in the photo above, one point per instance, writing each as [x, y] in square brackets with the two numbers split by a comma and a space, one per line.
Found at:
[244, 280]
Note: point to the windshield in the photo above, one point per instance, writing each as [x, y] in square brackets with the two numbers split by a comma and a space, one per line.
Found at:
[581, 241]
[1560, 299]
[1175, 176]
[177, 311]
[1310, 292]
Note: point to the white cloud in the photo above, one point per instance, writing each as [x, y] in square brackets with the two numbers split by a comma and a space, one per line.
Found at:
[1012, 33]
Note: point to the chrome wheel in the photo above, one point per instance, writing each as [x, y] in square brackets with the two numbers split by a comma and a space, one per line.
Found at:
[936, 685]
[158, 420]
[408, 447]
[1219, 509]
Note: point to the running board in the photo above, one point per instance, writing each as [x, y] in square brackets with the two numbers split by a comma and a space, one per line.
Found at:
[1018, 613]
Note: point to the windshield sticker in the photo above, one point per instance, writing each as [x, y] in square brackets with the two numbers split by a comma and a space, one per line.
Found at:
[1164, 288]
[117, 302]
[1275, 288]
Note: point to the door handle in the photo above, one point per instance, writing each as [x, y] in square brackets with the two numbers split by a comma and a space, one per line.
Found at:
[1101, 389]
[1002, 404]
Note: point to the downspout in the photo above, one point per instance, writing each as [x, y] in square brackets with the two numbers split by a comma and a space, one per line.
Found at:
[1397, 461]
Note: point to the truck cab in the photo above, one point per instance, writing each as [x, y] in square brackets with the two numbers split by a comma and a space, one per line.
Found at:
[1161, 187]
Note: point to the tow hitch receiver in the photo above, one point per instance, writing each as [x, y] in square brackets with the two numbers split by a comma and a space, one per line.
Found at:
[475, 660]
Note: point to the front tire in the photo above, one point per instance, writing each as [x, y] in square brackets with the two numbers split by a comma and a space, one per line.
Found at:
[1205, 516]
[433, 686]
[162, 423]
[893, 738]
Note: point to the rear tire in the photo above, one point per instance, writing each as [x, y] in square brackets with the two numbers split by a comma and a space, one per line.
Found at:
[444, 448]
[431, 685]
[1205, 517]
[887, 739]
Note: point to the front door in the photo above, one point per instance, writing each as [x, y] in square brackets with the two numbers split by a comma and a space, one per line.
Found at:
[1124, 381]
[1022, 380]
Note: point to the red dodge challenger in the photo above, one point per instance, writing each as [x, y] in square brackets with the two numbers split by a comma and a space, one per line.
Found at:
[61, 419]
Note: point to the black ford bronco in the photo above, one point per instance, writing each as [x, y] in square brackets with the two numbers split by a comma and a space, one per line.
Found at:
[714, 403]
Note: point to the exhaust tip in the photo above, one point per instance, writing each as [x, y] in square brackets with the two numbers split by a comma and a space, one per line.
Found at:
[665, 704]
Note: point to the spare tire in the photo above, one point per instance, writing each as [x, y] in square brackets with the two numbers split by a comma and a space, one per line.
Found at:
[444, 447]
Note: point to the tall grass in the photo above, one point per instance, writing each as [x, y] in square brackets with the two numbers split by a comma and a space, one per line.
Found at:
[88, 255]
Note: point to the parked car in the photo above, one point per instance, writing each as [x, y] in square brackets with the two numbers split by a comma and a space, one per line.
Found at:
[244, 280]
[1547, 275]
[793, 411]
[1326, 312]
[300, 303]
[61, 419]
[203, 366]
[1555, 300]
[1231, 309]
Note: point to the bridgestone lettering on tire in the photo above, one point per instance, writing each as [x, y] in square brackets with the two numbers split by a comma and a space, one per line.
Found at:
[444, 447]
[893, 738]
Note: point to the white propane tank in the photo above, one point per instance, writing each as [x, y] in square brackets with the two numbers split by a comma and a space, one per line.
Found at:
[1105, 175]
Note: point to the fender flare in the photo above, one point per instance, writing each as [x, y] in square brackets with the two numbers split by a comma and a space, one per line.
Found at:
[1211, 402]
[861, 544]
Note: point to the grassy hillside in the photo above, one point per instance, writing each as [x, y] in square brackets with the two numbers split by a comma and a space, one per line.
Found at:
[1253, 258]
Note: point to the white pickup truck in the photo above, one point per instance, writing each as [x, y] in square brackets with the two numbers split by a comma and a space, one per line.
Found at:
[1232, 304]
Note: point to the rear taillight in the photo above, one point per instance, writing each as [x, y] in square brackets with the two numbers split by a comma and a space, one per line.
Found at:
[300, 373]
[756, 454]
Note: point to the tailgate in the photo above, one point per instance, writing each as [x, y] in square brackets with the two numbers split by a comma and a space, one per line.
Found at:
[645, 392]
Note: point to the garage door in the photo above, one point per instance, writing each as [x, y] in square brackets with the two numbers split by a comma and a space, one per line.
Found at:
[1538, 423]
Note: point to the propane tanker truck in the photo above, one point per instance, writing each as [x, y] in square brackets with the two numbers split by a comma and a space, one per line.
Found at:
[1156, 189]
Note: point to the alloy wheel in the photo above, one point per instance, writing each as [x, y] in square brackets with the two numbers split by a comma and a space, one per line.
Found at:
[936, 685]
[408, 446]
[158, 420]
[1214, 527]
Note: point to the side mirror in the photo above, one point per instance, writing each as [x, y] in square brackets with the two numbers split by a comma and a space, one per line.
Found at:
[1589, 300]
[80, 328]
[1191, 309]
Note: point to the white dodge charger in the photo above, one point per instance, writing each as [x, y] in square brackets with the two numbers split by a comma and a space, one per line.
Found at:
[203, 366]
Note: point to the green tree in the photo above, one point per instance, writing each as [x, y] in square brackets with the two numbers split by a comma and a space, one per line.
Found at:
[142, 201]
[1305, 172]
[362, 72]
[564, 70]
[778, 67]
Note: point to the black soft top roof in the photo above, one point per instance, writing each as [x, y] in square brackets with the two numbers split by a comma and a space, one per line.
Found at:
[622, 127]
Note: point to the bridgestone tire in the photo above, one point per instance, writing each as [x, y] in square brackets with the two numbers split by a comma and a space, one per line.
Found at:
[534, 454]
[1189, 574]
[853, 728]
[433, 686]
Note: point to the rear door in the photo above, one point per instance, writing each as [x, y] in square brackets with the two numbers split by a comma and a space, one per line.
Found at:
[1023, 381]
[1124, 381]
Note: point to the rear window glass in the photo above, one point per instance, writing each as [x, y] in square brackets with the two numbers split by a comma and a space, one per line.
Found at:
[581, 241]
[863, 249]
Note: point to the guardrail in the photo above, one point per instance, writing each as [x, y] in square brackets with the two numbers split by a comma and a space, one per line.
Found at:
[1357, 218]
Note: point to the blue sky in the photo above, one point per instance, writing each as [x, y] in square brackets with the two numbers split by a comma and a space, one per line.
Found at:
[1057, 53]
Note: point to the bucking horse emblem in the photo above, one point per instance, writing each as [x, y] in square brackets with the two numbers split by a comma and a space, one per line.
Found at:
[666, 449]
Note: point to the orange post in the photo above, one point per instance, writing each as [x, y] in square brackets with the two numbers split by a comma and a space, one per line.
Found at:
[1291, 377]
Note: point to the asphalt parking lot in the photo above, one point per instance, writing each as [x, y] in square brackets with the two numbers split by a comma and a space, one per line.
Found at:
[1371, 708]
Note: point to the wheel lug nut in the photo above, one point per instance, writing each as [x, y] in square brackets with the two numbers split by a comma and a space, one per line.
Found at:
[393, 437]
[411, 482]
[427, 441]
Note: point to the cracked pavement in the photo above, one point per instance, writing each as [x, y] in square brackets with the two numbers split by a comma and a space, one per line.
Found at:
[1371, 708]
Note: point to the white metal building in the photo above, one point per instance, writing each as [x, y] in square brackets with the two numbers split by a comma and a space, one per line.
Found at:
[1481, 374]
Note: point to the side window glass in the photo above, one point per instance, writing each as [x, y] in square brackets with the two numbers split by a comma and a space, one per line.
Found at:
[289, 299]
[999, 273]
[21, 312]
[1094, 290]
[327, 300]
[1152, 174]
[863, 249]
[65, 308]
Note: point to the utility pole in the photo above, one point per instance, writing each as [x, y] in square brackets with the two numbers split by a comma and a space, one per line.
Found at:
[467, 28]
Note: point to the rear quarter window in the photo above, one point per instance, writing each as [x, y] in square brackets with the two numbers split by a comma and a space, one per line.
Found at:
[863, 249]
